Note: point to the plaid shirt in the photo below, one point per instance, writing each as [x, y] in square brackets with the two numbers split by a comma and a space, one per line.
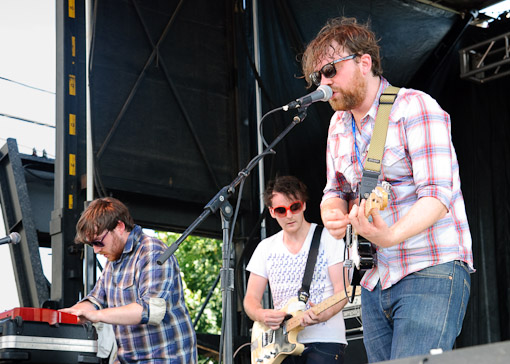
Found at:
[165, 334]
[419, 161]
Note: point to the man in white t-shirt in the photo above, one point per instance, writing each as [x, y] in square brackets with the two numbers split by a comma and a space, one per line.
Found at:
[280, 260]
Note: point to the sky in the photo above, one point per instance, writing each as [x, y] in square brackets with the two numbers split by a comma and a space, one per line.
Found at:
[27, 91]
[27, 99]
[27, 45]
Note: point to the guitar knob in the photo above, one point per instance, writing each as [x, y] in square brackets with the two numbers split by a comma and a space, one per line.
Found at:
[386, 186]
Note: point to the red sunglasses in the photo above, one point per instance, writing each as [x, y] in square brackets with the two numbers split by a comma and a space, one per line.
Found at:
[281, 211]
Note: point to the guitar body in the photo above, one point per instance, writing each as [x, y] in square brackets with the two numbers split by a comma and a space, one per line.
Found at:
[362, 253]
[367, 254]
[272, 346]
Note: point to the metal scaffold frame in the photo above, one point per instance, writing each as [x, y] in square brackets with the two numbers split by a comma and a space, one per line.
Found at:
[486, 61]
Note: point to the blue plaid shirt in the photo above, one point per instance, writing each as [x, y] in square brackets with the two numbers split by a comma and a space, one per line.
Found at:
[163, 335]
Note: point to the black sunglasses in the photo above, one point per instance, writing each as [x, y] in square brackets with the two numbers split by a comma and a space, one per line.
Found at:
[328, 70]
[98, 243]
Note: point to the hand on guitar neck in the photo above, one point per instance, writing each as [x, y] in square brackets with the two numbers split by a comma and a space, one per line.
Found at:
[376, 231]
[378, 200]
[362, 254]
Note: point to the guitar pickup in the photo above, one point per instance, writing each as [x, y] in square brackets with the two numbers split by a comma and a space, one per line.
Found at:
[267, 337]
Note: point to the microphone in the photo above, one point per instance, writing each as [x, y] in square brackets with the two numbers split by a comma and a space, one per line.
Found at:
[323, 93]
[13, 238]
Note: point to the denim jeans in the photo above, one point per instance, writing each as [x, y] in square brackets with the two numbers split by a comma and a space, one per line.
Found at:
[423, 311]
[319, 353]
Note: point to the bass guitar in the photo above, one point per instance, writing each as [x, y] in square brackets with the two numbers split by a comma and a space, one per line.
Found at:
[362, 254]
[272, 346]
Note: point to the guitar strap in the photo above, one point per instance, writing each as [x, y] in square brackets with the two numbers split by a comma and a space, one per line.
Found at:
[304, 291]
[372, 167]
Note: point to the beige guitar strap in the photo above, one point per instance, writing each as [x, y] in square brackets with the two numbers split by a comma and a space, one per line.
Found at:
[372, 167]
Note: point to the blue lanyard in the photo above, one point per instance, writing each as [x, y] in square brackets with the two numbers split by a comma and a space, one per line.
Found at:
[356, 145]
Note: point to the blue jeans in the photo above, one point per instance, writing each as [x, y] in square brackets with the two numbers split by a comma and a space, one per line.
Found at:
[319, 353]
[423, 311]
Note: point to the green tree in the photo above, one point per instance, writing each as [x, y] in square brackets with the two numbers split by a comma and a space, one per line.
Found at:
[200, 260]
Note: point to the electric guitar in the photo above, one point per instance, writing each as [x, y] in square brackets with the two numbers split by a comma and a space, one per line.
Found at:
[362, 255]
[272, 346]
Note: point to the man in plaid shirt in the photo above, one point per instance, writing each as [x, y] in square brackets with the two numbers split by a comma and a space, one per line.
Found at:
[415, 299]
[143, 301]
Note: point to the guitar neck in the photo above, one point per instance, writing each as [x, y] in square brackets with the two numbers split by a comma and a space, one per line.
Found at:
[295, 321]
[371, 205]
[377, 200]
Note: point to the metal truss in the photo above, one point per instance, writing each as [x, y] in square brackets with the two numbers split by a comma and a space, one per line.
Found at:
[486, 61]
[24, 184]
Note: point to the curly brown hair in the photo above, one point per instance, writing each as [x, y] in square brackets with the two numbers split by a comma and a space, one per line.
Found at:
[350, 35]
[289, 186]
[102, 214]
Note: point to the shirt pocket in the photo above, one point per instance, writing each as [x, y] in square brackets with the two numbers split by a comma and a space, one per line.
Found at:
[395, 165]
[126, 290]
[344, 165]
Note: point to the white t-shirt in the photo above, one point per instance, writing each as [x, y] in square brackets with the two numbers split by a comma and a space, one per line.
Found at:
[284, 271]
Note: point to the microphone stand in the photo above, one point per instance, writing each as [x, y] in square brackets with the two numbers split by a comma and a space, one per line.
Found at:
[220, 201]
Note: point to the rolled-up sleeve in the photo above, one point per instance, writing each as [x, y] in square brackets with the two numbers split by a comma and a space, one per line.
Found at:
[155, 286]
[430, 149]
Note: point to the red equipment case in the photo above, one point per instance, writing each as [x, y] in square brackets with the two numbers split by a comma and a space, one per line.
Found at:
[45, 336]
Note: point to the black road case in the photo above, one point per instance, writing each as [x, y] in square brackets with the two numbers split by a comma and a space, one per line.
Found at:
[45, 336]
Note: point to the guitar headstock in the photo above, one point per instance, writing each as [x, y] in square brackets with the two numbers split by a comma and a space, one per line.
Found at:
[378, 199]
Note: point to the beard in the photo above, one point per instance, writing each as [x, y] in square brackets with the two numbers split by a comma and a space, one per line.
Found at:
[116, 248]
[350, 99]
